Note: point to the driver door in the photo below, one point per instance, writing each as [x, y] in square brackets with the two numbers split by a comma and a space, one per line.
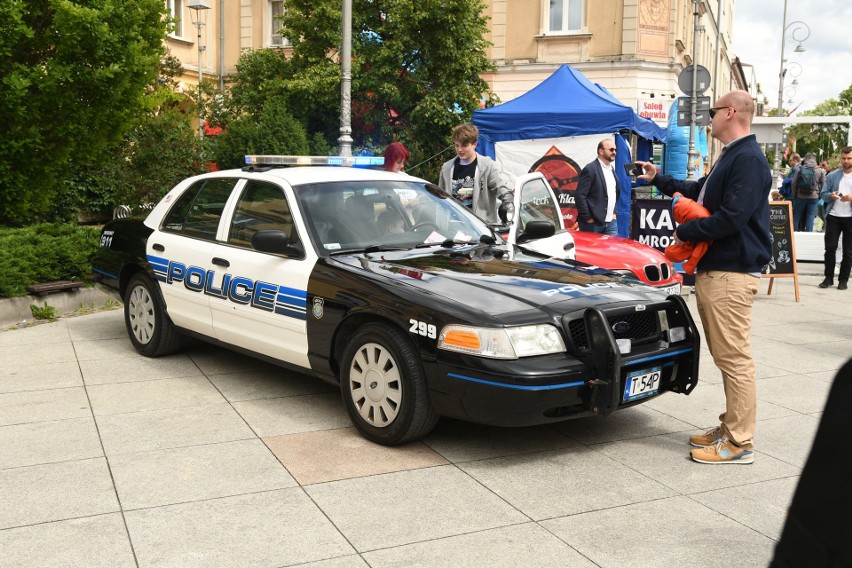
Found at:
[534, 200]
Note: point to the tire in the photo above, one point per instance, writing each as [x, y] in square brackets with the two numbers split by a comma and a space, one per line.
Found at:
[151, 331]
[384, 386]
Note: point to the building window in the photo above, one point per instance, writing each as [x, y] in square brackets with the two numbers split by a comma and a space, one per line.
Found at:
[565, 15]
[176, 13]
[276, 9]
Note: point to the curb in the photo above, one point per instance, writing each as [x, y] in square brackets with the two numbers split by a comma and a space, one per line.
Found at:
[16, 311]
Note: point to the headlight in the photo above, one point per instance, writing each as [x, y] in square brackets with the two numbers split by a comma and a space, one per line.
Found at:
[502, 342]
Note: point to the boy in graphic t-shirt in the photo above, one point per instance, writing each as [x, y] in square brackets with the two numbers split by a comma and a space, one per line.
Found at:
[473, 179]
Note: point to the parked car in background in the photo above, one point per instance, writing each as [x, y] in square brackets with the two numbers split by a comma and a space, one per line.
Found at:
[535, 202]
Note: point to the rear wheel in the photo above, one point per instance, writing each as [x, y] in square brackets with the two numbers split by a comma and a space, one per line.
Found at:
[151, 331]
[384, 386]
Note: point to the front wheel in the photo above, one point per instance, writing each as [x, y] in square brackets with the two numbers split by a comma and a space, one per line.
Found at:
[148, 325]
[384, 386]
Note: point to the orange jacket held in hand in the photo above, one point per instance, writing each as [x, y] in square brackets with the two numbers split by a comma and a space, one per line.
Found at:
[684, 210]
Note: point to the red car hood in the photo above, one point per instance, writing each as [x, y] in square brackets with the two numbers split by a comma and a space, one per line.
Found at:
[617, 253]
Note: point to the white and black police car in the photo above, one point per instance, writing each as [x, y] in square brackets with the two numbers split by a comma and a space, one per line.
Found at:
[383, 284]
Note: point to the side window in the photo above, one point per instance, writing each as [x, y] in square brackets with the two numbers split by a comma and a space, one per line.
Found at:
[261, 207]
[176, 11]
[565, 15]
[196, 214]
[276, 10]
[537, 204]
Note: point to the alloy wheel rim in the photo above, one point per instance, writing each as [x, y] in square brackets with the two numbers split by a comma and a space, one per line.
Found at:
[375, 385]
[141, 314]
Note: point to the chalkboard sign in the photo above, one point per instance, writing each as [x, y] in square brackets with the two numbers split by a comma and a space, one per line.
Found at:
[783, 261]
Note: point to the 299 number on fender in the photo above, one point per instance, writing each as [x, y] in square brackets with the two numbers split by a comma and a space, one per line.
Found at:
[422, 328]
[639, 384]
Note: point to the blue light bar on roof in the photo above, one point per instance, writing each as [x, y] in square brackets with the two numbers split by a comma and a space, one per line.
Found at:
[351, 161]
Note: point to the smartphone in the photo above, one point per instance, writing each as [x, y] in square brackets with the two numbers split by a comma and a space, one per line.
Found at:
[633, 169]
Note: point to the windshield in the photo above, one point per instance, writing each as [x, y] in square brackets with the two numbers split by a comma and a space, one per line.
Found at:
[536, 204]
[355, 215]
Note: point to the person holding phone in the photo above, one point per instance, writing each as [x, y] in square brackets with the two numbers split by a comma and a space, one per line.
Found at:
[597, 192]
[837, 195]
[736, 194]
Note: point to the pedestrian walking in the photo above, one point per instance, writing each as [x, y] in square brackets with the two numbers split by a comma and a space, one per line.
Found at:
[807, 184]
[735, 192]
[837, 195]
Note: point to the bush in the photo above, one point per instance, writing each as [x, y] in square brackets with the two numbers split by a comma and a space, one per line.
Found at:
[272, 130]
[42, 253]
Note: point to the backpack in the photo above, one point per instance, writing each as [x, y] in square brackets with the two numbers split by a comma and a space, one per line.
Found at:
[806, 182]
[787, 187]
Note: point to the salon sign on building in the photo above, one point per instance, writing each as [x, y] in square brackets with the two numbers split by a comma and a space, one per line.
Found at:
[656, 109]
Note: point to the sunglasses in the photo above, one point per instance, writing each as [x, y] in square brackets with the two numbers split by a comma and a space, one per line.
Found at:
[714, 109]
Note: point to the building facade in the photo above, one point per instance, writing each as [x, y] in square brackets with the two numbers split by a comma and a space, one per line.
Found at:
[634, 48]
[227, 29]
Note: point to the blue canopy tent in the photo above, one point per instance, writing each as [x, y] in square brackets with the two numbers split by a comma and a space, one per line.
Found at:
[568, 104]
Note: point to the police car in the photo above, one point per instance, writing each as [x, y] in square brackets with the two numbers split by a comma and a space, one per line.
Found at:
[534, 201]
[383, 284]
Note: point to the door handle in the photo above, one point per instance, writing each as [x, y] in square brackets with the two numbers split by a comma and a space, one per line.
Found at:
[158, 247]
[221, 262]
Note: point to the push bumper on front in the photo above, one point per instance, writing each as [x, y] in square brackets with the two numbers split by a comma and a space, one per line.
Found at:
[583, 382]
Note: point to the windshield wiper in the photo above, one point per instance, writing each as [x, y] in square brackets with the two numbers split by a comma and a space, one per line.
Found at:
[384, 248]
[482, 240]
[450, 243]
[369, 249]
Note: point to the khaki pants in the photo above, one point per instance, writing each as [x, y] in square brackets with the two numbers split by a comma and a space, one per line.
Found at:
[725, 301]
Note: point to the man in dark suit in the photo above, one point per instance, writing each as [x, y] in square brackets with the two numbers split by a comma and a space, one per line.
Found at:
[597, 192]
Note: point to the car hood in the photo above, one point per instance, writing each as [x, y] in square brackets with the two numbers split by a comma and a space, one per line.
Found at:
[477, 278]
[614, 252]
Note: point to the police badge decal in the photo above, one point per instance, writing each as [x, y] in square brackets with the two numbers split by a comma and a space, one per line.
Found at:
[317, 308]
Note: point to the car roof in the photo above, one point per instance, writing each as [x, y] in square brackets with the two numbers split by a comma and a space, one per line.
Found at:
[300, 175]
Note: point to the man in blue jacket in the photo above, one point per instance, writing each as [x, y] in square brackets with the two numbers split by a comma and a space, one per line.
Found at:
[736, 192]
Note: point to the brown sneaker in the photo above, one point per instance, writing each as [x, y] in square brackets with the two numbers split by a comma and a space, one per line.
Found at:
[708, 438]
[724, 451]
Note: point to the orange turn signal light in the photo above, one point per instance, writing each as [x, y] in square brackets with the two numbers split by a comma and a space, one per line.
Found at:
[463, 339]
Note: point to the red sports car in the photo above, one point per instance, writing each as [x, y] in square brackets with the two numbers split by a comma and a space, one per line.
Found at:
[536, 202]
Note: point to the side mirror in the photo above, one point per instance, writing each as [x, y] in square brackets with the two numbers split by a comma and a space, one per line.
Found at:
[276, 242]
[506, 211]
[538, 229]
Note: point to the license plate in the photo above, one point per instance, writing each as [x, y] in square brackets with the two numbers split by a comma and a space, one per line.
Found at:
[640, 384]
[669, 290]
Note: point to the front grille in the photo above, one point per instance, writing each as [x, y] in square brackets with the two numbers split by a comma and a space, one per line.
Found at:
[657, 272]
[652, 273]
[641, 327]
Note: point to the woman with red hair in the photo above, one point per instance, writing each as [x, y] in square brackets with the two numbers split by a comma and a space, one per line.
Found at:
[395, 157]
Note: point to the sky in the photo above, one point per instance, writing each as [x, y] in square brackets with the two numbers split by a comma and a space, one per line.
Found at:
[826, 64]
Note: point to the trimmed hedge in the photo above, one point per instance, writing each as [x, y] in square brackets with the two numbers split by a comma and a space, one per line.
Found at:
[45, 252]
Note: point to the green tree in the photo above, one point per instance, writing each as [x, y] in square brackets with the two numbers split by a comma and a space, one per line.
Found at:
[416, 69]
[160, 149]
[824, 140]
[271, 129]
[72, 75]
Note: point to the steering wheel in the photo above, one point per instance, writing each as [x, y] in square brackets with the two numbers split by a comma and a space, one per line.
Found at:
[424, 224]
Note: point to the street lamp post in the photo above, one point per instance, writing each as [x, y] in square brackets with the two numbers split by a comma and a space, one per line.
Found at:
[345, 140]
[198, 10]
[796, 27]
[692, 152]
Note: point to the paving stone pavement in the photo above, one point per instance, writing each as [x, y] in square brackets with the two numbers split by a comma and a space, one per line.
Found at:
[209, 458]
